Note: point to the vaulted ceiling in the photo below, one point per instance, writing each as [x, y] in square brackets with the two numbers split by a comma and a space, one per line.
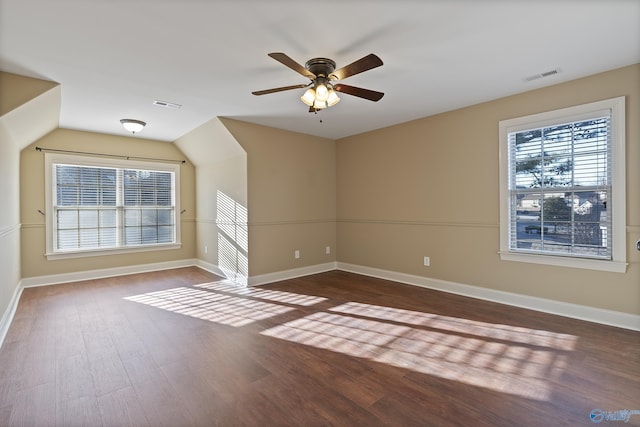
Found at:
[114, 58]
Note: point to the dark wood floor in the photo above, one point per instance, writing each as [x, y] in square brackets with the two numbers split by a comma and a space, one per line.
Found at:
[183, 348]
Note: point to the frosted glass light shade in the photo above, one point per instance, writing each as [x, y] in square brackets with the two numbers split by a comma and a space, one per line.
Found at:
[132, 125]
[319, 105]
[322, 93]
[333, 98]
[308, 97]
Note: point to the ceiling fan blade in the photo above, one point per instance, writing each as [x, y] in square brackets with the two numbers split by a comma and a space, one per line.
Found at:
[279, 89]
[285, 60]
[363, 64]
[371, 95]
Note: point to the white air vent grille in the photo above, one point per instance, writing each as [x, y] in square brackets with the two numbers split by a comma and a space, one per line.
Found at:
[166, 104]
[542, 75]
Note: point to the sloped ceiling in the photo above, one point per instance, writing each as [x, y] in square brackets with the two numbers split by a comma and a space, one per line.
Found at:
[30, 108]
[114, 58]
[209, 144]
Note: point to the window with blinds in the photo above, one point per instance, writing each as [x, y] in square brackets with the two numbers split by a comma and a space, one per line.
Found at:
[102, 207]
[560, 183]
[562, 186]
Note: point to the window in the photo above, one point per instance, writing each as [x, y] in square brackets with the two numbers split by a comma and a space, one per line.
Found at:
[562, 187]
[98, 206]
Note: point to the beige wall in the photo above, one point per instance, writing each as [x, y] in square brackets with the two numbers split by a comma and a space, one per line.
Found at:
[9, 221]
[32, 199]
[291, 181]
[430, 188]
[221, 198]
[29, 108]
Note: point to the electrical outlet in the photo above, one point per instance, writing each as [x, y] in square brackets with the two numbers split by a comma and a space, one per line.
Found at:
[206, 249]
[427, 261]
[296, 254]
[327, 250]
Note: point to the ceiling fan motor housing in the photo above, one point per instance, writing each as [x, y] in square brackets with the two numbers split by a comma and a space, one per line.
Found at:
[321, 67]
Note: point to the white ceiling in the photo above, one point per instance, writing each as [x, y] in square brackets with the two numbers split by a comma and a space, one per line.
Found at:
[113, 58]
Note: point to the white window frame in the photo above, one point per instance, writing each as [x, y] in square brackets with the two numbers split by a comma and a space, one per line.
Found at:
[55, 158]
[617, 203]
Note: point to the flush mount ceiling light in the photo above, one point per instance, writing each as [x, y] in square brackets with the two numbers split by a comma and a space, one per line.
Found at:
[132, 125]
[322, 73]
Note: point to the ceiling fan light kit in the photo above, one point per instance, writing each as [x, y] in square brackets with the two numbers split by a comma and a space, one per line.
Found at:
[322, 72]
[322, 95]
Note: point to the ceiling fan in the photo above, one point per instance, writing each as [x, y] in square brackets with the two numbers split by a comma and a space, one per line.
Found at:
[322, 73]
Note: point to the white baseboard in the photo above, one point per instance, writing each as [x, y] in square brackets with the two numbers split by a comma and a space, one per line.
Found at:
[231, 275]
[211, 268]
[106, 272]
[7, 317]
[575, 311]
[263, 279]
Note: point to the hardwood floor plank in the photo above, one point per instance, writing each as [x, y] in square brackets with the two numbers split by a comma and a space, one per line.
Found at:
[38, 362]
[161, 404]
[253, 408]
[200, 400]
[81, 411]
[122, 408]
[141, 369]
[126, 342]
[69, 340]
[73, 378]
[364, 390]
[35, 406]
[5, 415]
[108, 374]
[291, 399]
[11, 356]
[184, 348]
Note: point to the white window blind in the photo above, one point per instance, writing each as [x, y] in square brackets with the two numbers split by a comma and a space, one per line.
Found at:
[85, 208]
[560, 185]
[105, 207]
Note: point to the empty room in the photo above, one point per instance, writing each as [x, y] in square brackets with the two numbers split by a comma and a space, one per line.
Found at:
[347, 213]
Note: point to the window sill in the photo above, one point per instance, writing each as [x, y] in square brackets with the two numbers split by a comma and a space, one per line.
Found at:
[561, 261]
[116, 251]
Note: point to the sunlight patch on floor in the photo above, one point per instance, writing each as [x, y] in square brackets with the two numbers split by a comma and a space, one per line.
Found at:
[464, 326]
[211, 306]
[266, 294]
[507, 359]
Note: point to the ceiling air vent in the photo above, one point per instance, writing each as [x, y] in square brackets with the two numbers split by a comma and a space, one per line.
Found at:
[542, 75]
[166, 104]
